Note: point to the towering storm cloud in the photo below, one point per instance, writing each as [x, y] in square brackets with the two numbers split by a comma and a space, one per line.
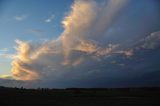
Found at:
[82, 23]
[100, 40]
[88, 21]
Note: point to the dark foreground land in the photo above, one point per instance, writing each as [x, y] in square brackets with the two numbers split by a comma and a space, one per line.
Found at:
[80, 97]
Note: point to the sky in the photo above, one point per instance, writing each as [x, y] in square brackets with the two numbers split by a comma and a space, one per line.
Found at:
[79, 43]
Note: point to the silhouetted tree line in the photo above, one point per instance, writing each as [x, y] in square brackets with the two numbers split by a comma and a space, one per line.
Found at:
[84, 89]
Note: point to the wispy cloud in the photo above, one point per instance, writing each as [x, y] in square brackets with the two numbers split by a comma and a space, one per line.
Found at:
[4, 50]
[4, 53]
[9, 56]
[50, 19]
[128, 53]
[152, 41]
[86, 46]
[6, 77]
[20, 17]
[109, 50]
[37, 32]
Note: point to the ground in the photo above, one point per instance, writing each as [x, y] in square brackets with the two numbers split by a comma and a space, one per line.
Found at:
[80, 97]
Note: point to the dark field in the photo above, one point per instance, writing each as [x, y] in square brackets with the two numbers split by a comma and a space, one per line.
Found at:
[80, 97]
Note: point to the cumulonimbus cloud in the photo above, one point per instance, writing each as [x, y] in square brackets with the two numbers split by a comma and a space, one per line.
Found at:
[88, 52]
[75, 44]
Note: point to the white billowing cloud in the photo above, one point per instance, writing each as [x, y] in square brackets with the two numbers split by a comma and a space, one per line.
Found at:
[76, 46]
[50, 19]
[31, 59]
[19, 70]
[152, 41]
[21, 17]
[77, 25]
